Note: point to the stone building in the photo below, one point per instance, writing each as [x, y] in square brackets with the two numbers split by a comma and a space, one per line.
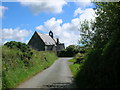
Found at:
[43, 42]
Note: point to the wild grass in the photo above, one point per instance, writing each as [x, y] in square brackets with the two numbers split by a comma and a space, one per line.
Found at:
[72, 60]
[14, 70]
[74, 67]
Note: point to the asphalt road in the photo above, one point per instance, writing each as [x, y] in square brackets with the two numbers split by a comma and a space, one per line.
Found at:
[56, 76]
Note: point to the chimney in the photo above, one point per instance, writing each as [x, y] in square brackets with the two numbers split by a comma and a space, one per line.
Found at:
[57, 41]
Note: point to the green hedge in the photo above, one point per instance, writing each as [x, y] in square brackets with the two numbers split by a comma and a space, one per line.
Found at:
[101, 67]
[16, 67]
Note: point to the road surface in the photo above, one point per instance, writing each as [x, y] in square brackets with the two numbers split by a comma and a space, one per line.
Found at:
[56, 76]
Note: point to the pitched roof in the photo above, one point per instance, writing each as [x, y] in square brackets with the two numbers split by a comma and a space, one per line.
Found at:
[47, 39]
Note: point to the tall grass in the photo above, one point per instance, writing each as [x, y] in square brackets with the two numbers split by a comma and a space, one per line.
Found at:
[75, 67]
[14, 69]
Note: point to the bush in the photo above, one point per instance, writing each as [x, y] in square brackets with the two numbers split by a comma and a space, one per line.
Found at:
[101, 67]
[16, 66]
[26, 54]
[71, 51]
[79, 58]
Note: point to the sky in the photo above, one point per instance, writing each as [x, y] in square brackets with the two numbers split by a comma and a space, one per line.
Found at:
[21, 18]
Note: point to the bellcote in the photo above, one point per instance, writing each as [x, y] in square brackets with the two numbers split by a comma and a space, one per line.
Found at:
[51, 34]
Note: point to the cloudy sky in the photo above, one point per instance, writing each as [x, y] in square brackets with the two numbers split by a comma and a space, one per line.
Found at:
[22, 18]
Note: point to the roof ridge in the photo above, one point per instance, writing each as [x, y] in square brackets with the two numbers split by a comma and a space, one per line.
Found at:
[39, 33]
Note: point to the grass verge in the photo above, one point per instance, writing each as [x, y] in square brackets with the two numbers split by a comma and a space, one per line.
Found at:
[74, 67]
[15, 71]
[72, 60]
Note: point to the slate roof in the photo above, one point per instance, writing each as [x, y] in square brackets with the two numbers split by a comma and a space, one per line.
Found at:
[47, 39]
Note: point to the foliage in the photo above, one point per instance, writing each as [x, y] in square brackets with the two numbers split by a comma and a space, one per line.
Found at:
[18, 45]
[79, 55]
[14, 69]
[72, 60]
[77, 63]
[86, 33]
[26, 52]
[101, 67]
[74, 68]
[71, 51]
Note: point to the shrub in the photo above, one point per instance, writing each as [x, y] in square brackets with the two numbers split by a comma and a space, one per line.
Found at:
[101, 67]
[16, 66]
[26, 54]
[71, 51]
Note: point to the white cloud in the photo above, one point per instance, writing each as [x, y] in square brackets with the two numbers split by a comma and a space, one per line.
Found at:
[67, 32]
[14, 34]
[2, 10]
[84, 3]
[78, 11]
[48, 6]
[39, 27]
[87, 14]
[51, 24]
[81, 0]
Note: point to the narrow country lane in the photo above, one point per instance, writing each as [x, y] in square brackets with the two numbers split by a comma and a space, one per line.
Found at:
[56, 76]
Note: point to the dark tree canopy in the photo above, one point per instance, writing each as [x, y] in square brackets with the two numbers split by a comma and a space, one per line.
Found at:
[101, 67]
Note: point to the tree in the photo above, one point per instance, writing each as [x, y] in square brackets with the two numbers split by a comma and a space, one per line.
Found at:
[70, 48]
[106, 24]
[86, 33]
[96, 34]
[71, 51]
[101, 67]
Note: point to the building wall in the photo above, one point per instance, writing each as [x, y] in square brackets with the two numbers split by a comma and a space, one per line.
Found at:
[37, 43]
[50, 48]
[60, 47]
